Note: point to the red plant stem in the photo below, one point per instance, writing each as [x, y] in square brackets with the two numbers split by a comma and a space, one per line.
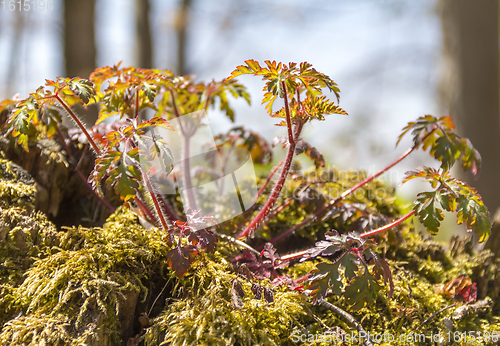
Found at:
[304, 278]
[154, 196]
[79, 123]
[155, 200]
[386, 227]
[80, 174]
[277, 210]
[364, 235]
[275, 169]
[341, 197]
[291, 139]
[284, 173]
[136, 110]
[145, 210]
[249, 211]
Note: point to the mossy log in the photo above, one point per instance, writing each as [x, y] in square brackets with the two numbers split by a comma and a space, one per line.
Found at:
[111, 285]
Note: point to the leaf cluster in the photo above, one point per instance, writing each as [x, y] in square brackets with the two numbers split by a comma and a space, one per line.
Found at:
[195, 228]
[436, 134]
[293, 79]
[38, 109]
[452, 195]
[125, 155]
[348, 268]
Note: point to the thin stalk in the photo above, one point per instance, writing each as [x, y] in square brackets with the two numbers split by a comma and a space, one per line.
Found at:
[278, 210]
[149, 186]
[340, 198]
[186, 159]
[80, 174]
[294, 255]
[387, 227]
[261, 190]
[151, 191]
[435, 314]
[275, 169]
[79, 123]
[136, 110]
[141, 205]
[165, 208]
[273, 198]
[299, 254]
[348, 318]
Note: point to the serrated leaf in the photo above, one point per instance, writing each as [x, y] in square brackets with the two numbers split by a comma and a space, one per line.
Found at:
[361, 291]
[294, 78]
[381, 269]
[180, 259]
[444, 145]
[428, 214]
[323, 277]
[452, 195]
[82, 88]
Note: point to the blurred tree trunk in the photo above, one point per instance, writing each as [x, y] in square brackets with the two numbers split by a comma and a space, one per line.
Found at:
[470, 85]
[79, 45]
[17, 41]
[144, 46]
[181, 25]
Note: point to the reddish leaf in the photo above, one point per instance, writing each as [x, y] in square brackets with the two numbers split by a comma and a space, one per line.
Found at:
[180, 259]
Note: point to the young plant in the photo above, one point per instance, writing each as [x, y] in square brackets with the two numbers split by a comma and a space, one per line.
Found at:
[125, 154]
[290, 82]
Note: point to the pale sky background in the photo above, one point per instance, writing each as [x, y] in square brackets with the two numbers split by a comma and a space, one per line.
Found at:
[384, 55]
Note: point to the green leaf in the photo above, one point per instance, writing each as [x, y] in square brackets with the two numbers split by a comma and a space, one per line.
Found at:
[361, 291]
[82, 88]
[323, 277]
[123, 175]
[428, 214]
[452, 195]
[444, 145]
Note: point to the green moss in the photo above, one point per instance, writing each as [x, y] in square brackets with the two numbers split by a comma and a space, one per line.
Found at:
[16, 186]
[94, 276]
[201, 312]
[87, 286]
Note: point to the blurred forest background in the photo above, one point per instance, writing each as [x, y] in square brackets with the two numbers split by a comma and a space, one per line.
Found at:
[394, 61]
